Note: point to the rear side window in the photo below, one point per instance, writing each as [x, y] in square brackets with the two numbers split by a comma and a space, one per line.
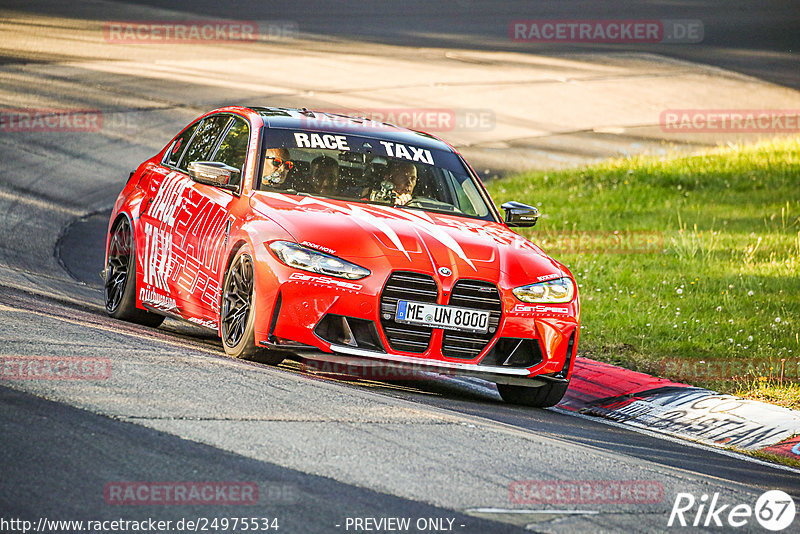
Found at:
[173, 155]
[233, 148]
[202, 146]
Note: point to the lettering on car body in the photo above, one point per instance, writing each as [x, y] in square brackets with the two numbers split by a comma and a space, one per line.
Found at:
[324, 280]
[318, 247]
[548, 277]
[521, 308]
[181, 233]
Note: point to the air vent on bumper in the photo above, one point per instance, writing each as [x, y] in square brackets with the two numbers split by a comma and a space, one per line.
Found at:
[513, 352]
[349, 331]
[568, 360]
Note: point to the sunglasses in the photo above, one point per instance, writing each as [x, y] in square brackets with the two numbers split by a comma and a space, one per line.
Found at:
[277, 162]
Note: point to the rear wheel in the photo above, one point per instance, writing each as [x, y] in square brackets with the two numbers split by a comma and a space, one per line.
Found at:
[544, 396]
[120, 284]
[237, 313]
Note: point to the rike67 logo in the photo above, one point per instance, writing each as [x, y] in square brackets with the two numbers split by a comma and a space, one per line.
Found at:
[774, 510]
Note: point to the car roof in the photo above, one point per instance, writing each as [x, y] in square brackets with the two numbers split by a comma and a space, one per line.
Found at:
[320, 121]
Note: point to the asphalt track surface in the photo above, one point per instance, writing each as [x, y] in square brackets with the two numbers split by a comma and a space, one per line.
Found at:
[320, 450]
[759, 39]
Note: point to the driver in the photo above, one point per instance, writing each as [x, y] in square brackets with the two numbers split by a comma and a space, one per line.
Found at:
[403, 174]
[276, 167]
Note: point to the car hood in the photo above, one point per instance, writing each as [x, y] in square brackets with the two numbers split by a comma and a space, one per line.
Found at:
[408, 238]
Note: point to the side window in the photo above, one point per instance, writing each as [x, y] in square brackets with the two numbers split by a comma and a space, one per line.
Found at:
[173, 155]
[469, 198]
[233, 149]
[205, 140]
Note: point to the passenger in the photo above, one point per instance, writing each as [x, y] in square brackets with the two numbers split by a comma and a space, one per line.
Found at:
[403, 174]
[276, 167]
[324, 176]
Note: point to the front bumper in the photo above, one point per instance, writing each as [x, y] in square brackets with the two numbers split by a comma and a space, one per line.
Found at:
[345, 321]
[403, 364]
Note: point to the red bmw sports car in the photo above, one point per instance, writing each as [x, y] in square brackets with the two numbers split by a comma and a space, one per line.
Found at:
[291, 231]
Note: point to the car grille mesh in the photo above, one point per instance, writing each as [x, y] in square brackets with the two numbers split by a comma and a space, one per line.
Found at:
[411, 286]
[473, 294]
[478, 295]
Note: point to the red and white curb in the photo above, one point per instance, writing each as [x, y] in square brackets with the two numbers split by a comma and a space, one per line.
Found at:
[659, 405]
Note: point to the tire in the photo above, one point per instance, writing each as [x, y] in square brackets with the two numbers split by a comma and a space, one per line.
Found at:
[120, 286]
[544, 396]
[236, 315]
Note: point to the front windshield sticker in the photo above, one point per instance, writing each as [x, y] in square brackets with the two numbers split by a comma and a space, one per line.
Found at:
[396, 150]
[332, 142]
[396, 172]
[340, 142]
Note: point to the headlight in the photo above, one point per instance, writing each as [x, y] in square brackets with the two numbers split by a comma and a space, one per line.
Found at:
[552, 291]
[308, 259]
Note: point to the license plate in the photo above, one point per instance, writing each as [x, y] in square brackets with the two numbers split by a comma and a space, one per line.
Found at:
[447, 317]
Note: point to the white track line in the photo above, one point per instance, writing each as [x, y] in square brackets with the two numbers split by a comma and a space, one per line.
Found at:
[514, 511]
[41, 204]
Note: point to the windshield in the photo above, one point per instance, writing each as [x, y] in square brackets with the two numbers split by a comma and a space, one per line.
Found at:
[369, 170]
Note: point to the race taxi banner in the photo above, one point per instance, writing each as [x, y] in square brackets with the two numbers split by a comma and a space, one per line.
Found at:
[357, 148]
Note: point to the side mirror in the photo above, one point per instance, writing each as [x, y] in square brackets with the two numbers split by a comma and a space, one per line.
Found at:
[213, 173]
[520, 215]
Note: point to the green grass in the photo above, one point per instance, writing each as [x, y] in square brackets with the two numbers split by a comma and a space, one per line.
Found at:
[769, 457]
[713, 276]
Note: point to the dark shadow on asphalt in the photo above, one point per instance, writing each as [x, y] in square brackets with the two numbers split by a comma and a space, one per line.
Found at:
[57, 460]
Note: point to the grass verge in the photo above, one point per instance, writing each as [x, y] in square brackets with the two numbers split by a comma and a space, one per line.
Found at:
[769, 457]
[687, 265]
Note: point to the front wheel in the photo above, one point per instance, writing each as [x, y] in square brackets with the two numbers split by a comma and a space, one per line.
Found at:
[237, 313]
[544, 396]
[120, 285]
